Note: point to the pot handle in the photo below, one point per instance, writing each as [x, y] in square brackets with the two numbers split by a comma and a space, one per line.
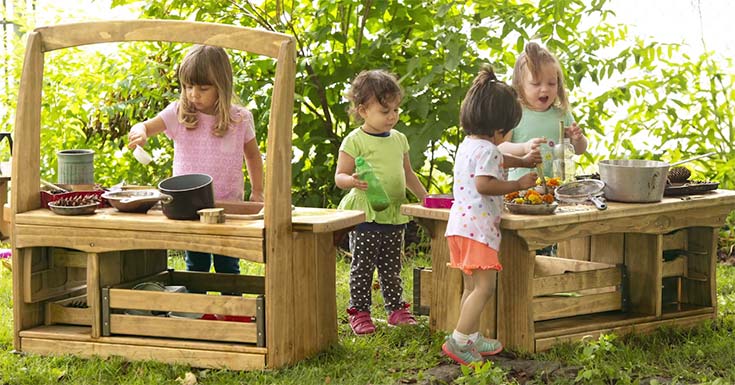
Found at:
[599, 203]
[166, 199]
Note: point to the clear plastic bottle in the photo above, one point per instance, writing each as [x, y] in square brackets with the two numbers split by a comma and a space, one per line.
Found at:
[376, 194]
[564, 164]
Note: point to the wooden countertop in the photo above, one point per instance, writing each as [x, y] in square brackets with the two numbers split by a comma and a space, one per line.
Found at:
[568, 214]
[310, 219]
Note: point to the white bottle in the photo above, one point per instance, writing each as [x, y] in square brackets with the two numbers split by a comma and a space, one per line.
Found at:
[564, 166]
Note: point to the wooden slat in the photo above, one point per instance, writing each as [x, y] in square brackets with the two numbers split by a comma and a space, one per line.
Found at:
[576, 248]
[571, 282]
[643, 264]
[82, 334]
[325, 293]
[607, 248]
[183, 328]
[445, 312]
[676, 240]
[94, 293]
[702, 263]
[60, 314]
[100, 240]
[425, 288]
[68, 258]
[543, 344]
[676, 267]
[200, 282]
[181, 302]
[191, 357]
[557, 307]
[545, 265]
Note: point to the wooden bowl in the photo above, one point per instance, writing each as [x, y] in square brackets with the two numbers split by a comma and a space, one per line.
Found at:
[73, 210]
[526, 209]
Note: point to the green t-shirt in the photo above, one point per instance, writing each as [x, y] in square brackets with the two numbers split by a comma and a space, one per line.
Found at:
[385, 154]
[539, 124]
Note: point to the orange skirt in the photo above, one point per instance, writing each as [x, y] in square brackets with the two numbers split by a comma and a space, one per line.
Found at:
[467, 254]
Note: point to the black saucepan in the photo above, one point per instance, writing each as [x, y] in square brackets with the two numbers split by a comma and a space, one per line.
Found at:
[190, 193]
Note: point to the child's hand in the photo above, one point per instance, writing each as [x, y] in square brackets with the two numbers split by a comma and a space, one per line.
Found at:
[527, 181]
[573, 132]
[534, 144]
[137, 136]
[532, 158]
[358, 183]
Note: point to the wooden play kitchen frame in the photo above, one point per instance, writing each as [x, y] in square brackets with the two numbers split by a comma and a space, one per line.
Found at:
[60, 262]
[614, 272]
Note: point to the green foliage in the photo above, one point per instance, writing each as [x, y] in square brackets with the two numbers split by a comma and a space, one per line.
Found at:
[482, 374]
[635, 99]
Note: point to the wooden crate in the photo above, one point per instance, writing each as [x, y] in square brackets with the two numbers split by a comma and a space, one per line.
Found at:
[69, 311]
[122, 306]
[567, 287]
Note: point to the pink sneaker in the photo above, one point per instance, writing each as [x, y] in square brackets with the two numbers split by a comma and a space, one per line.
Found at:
[401, 316]
[360, 321]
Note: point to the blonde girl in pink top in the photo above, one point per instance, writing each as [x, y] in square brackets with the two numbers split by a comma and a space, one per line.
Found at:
[212, 135]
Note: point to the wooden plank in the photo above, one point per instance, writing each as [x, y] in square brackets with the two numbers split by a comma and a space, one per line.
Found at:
[226, 36]
[82, 333]
[181, 302]
[576, 248]
[191, 357]
[325, 293]
[426, 289]
[56, 313]
[677, 267]
[196, 329]
[607, 248]
[676, 240]
[702, 241]
[25, 315]
[68, 258]
[571, 282]
[200, 282]
[643, 263]
[305, 304]
[557, 307]
[101, 240]
[94, 293]
[318, 220]
[445, 303]
[543, 344]
[279, 282]
[545, 265]
[515, 293]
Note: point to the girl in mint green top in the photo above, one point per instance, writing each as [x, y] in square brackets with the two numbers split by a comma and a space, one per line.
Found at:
[539, 82]
[376, 244]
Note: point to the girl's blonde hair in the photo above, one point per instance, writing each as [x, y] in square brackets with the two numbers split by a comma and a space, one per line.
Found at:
[532, 59]
[206, 65]
[380, 84]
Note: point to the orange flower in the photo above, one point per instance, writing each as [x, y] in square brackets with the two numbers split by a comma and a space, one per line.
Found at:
[511, 196]
[548, 198]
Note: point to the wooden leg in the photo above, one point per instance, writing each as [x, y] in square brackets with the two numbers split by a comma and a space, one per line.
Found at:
[93, 293]
[515, 327]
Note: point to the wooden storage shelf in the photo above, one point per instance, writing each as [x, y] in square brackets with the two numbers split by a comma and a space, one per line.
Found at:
[113, 250]
[70, 311]
[607, 278]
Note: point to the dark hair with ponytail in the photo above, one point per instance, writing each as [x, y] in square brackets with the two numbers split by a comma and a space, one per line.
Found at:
[490, 105]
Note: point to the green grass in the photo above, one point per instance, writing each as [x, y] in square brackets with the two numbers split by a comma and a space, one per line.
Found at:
[700, 355]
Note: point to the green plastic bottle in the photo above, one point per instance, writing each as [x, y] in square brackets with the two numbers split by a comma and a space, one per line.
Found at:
[376, 194]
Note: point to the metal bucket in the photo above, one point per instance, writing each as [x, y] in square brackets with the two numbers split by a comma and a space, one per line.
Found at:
[75, 166]
[638, 181]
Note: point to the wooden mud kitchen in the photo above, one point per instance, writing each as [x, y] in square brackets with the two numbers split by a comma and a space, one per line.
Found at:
[73, 275]
[630, 268]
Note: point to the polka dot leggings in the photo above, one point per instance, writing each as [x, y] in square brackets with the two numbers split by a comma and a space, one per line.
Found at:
[371, 249]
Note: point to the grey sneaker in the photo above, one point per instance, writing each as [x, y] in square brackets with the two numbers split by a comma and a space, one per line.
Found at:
[488, 346]
[462, 354]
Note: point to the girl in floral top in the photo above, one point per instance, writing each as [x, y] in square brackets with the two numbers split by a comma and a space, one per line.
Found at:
[489, 111]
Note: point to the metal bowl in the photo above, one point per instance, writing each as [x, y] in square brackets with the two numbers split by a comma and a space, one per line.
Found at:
[133, 201]
[526, 209]
[73, 210]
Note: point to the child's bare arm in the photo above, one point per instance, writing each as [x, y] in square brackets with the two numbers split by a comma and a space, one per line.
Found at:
[140, 132]
[488, 185]
[576, 136]
[345, 177]
[412, 181]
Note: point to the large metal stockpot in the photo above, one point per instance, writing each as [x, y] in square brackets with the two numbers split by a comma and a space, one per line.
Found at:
[190, 193]
[632, 180]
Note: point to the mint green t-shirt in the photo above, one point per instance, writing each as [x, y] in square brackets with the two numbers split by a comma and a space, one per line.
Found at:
[539, 124]
[385, 155]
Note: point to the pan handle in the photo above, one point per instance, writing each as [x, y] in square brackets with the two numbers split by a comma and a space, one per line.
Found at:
[599, 203]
